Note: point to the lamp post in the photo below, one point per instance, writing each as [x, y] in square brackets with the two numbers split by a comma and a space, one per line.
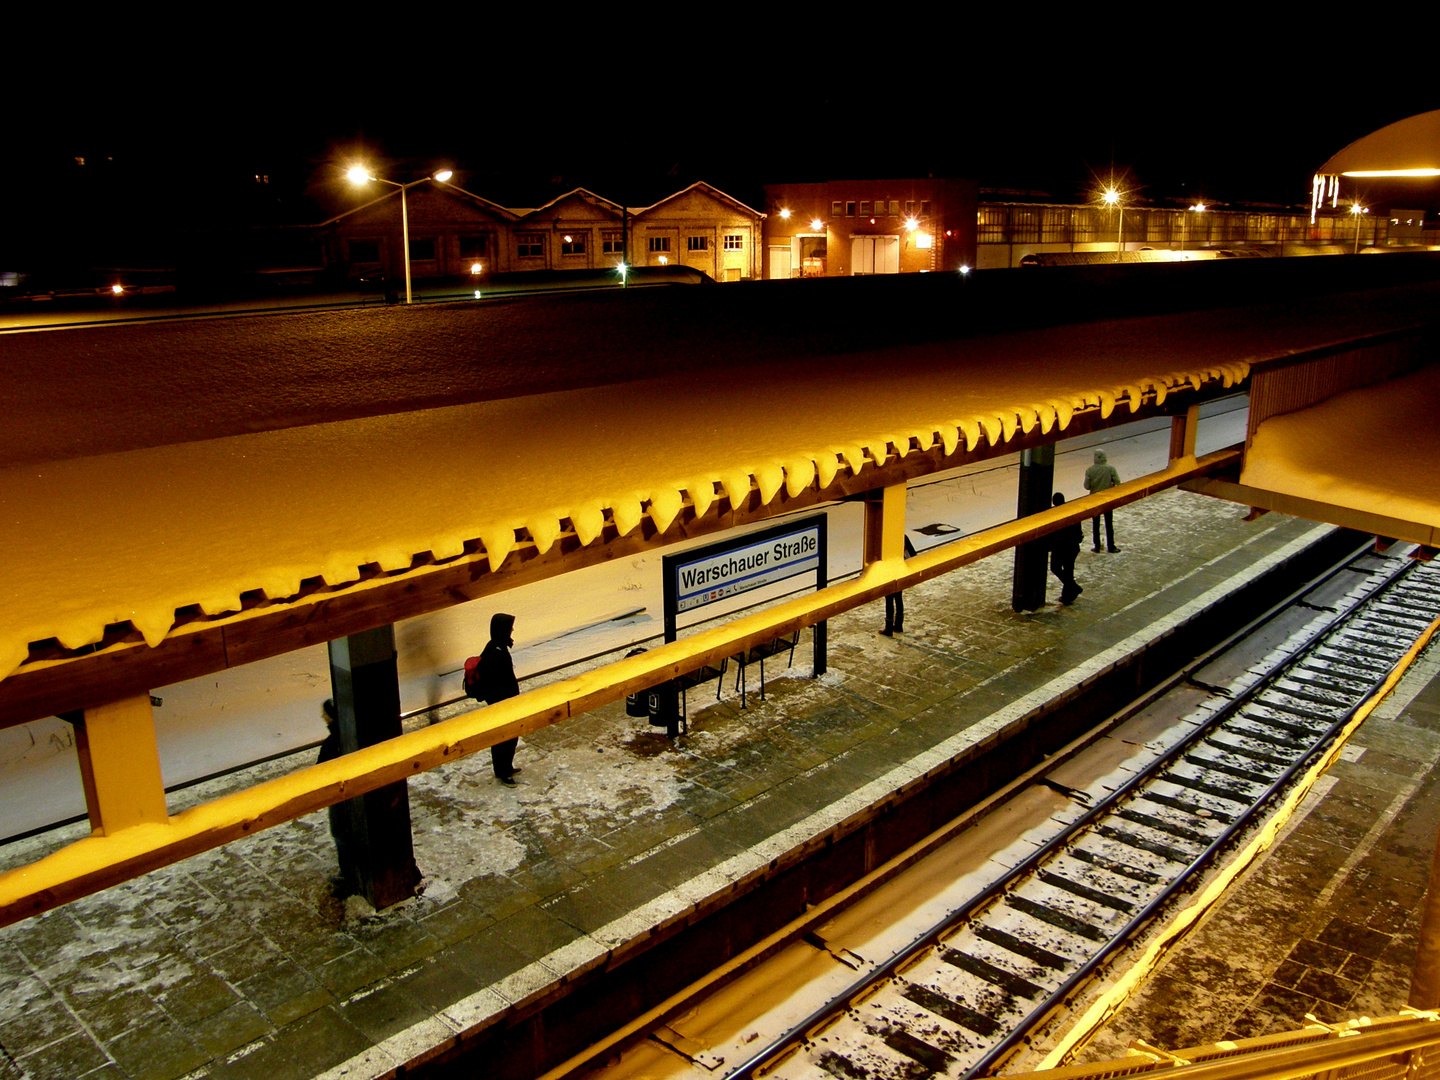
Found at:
[1356, 210]
[1112, 198]
[1198, 208]
[361, 175]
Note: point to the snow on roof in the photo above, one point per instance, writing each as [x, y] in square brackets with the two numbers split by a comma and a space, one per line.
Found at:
[1374, 449]
[708, 189]
[136, 534]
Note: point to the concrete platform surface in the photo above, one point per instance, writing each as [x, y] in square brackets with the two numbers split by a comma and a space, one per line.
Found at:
[241, 963]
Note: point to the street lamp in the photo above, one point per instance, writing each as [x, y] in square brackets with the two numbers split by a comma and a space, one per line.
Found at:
[1356, 210]
[361, 175]
[1198, 208]
[1112, 198]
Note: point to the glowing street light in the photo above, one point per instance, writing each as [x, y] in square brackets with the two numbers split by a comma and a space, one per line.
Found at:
[1111, 197]
[785, 214]
[1198, 208]
[1356, 209]
[361, 175]
[816, 224]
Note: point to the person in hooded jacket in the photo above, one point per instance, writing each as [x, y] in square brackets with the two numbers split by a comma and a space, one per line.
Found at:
[1099, 477]
[495, 676]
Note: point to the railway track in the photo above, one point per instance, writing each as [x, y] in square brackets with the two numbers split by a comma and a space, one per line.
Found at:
[923, 980]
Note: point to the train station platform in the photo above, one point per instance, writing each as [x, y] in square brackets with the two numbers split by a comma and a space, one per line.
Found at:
[240, 962]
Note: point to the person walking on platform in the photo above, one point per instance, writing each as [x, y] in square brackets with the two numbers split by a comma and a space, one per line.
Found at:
[895, 602]
[1099, 477]
[495, 681]
[1064, 548]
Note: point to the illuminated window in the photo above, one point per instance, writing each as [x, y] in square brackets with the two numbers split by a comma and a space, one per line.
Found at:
[864, 208]
[924, 241]
[364, 251]
[659, 243]
[474, 247]
[697, 243]
[734, 241]
[422, 249]
[835, 208]
[894, 208]
[612, 243]
[530, 245]
[849, 209]
[573, 244]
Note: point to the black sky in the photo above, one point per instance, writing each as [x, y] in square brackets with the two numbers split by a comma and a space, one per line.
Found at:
[520, 108]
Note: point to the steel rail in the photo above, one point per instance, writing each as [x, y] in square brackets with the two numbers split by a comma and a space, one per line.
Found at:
[995, 890]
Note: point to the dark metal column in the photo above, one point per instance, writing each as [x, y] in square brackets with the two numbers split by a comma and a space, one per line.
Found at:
[372, 831]
[1037, 482]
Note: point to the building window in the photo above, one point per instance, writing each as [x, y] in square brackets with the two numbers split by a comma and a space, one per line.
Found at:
[572, 244]
[697, 243]
[422, 249]
[474, 247]
[734, 241]
[864, 208]
[894, 207]
[924, 207]
[849, 209]
[364, 251]
[659, 243]
[909, 207]
[835, 208]
[612, 243]
[530, 245]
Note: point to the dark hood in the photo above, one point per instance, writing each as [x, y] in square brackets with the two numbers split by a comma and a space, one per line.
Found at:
[501, 626]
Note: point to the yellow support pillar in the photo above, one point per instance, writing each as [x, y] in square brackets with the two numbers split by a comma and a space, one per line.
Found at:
[885, 523]
[1182, 433]
[120, 765]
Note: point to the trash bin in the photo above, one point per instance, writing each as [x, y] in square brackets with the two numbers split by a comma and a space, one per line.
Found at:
[638, 703]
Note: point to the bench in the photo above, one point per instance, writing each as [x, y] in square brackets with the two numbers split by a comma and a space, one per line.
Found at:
[694, 678]
[758, 655]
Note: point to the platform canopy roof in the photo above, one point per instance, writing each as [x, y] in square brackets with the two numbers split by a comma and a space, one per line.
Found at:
[204, 466]
[1409, 147]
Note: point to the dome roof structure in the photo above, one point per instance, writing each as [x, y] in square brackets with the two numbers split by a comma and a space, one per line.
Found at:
[1400, 153]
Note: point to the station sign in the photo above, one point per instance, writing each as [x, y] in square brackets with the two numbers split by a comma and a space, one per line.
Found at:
[742, 564]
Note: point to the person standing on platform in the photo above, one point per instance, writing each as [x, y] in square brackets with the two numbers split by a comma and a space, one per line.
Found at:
[495, 679]
[895, 602]
[1100, 477]
[1064, 548]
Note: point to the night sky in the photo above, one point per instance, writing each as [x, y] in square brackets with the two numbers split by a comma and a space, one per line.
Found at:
[173, 136]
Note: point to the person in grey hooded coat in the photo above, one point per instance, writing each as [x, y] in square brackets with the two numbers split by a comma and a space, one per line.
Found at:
[1099, 477]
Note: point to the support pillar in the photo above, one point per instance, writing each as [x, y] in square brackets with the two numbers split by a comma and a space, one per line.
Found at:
[1037, 484]
[372, 831]
[120, 764]
[885, 523]
[1182, 433]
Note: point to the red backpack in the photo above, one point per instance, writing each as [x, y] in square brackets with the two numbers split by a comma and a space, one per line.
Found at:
[472, 678]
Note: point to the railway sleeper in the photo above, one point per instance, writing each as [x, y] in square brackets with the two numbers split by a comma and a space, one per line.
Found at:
[1261, 729]
[1324, 678]
[1159, 824]
[1115, 866]
[1337, 700]
[1085, 892]
[1370, 657]
[1115, 886]
[1144, 843]
[982, 1023]
[1348, 662]
[1062, 920]
[1038, 954]
[1008, 981]
[1255, 777]
[1189, 806]
[1267, 710]
[1235, 745]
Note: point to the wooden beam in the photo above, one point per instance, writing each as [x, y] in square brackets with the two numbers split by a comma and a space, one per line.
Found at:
[98, 862]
